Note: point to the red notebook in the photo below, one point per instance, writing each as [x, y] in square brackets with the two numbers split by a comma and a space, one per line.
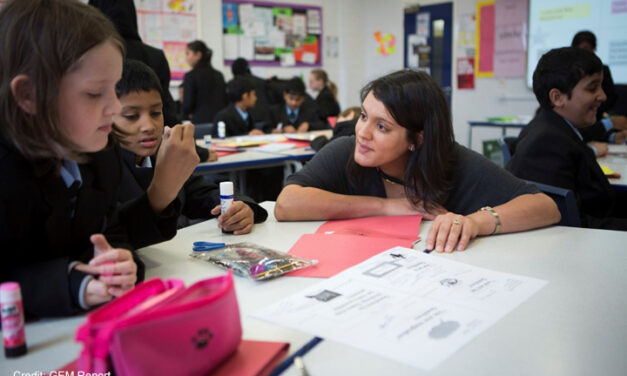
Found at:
[252, 358]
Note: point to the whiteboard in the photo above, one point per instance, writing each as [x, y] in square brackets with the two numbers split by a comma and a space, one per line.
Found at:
[553, 23]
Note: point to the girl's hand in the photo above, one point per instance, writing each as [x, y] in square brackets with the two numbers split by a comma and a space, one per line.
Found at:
[451, 231]
[116, 268]
[239, 218]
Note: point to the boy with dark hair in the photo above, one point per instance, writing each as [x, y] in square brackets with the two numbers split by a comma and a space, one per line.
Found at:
[237, 118]
[292, 117]
[607, 128]
[550, 149]
[139, 128]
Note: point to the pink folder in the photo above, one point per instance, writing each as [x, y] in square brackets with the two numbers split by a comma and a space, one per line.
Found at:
[338, 252]
[396, 227]
[340, 244]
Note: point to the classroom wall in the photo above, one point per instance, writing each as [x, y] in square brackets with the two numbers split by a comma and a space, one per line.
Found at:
[490, 97]
[359, 60]
[354, 23]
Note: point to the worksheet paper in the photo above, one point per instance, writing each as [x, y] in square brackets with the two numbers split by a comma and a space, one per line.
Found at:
[616, 149]
[404, 305]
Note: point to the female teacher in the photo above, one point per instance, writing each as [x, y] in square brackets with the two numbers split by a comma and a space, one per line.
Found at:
[404, 160]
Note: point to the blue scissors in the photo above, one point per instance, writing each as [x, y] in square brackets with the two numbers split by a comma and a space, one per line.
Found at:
[207, 246]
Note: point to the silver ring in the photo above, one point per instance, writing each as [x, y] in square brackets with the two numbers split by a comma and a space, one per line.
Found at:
[457, 221]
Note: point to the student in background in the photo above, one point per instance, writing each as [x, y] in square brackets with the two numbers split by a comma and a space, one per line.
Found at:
[349, 114]
[345, 126]
[607, 128]
[404, 160]
[237, 116]
[124, 16]
[261, 111]
[57, 102]
[551, 150]
[179, 102]
[292, 116]
[326, 100]
[139, 128]
[204, 87]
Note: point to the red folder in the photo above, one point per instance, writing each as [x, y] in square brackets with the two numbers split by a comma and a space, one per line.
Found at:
[252, 358]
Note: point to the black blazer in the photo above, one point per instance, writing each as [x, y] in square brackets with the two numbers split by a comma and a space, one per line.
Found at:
[40, 237]
[204, 94]
[195, 200]
[235, 124]
[549, 152]
[279, 115]
[327, 105]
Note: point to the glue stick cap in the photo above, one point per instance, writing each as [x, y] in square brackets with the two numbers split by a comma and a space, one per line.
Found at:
[10, 292]
[226, 188]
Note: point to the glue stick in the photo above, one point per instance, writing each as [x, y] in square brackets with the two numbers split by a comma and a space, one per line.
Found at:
[226, 198]
[221, 130]
[12, 320]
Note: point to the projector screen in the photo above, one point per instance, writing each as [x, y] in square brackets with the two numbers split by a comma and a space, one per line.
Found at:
[553, 23]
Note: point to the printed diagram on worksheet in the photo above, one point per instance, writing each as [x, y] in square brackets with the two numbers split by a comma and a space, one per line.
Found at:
[401, 303]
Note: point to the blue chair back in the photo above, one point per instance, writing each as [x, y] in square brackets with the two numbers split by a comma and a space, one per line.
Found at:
[566, 203]
[202, 129]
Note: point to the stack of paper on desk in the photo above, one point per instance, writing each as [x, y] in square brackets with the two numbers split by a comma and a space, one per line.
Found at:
[408, 306]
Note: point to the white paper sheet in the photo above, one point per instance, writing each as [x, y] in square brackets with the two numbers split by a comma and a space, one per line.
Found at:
[408, 306]
[616, 149]
[277, 38]
[246, 13]
[314, 24]
[246, 47]
[287, 60]
[299, 24]
[230, 44]
[309, 57]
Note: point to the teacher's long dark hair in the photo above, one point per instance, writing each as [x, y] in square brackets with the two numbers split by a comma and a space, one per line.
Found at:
[417, 103]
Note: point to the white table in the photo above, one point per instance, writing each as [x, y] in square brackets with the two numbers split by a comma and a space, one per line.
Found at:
[576, 325]
[617, 164]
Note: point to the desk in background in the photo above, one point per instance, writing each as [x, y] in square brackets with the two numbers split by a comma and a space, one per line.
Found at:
[618, 164]
[250, 158]
[574, 326]
[491, 124]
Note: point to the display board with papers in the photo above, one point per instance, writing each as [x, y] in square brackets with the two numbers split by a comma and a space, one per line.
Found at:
[272, 34]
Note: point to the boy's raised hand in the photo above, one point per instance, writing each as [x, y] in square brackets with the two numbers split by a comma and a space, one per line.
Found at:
[176, 161]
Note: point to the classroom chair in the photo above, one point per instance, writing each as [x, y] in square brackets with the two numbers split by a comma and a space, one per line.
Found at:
[566, 203]
[202, 129]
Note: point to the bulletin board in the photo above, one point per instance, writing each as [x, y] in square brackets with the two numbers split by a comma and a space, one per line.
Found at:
[168, 25]
[272, 34]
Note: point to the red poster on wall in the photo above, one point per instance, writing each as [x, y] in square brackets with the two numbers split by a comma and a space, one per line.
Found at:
[465, 73]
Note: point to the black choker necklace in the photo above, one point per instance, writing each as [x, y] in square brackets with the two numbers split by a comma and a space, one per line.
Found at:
[388, 178]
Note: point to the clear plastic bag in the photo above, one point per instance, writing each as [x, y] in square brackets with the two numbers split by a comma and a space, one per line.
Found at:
[253, 261]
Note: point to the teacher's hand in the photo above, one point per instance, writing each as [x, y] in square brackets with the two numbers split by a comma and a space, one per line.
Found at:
[451, 232]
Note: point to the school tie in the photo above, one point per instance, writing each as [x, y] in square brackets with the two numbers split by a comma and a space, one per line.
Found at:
[72, 192]
[292, 117]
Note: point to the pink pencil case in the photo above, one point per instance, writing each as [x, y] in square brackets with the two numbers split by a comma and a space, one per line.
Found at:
[161, 327]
